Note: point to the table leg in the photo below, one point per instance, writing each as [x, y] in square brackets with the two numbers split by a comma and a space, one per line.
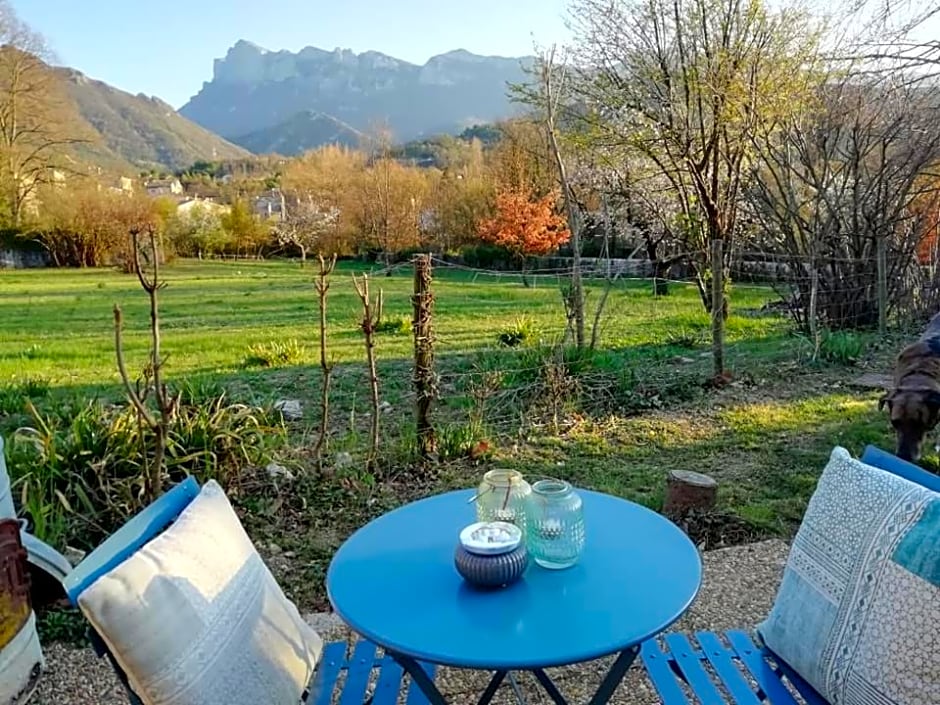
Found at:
[433, 693]
[618, 670]
[520, 696]
[420, 677]
[602, 695]
[605, 690]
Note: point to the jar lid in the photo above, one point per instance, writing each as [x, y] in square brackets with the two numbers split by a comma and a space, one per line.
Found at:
[489, 538]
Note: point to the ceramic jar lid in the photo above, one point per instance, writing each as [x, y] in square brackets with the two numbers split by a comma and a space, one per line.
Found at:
[488, 538]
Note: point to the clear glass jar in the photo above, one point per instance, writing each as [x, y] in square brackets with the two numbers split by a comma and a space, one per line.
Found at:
[503, 495]
[556, 524]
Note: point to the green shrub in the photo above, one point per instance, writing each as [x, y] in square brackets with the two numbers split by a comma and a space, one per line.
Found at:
[14, 397]
[522, 331]
[275, 353]
[79, 470]
[199, 390]
[32, 352]
[12, 400]
[841, 347]
[687, 338]
[487, 257]
[461, 440]
[399, 325]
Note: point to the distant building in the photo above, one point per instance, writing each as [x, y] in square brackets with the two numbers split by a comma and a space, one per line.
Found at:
[269, 204]
[210, 206]
[123, 186]
[164, 187]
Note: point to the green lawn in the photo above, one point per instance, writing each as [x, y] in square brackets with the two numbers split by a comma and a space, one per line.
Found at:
[58, 324]
[616, 420]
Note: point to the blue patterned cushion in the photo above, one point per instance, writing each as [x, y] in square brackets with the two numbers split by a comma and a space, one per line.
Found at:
[858, 611]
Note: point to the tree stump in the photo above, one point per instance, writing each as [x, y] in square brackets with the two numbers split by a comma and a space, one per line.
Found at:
[687, 491]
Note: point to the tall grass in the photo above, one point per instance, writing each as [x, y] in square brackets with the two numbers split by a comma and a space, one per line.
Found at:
[78, 470]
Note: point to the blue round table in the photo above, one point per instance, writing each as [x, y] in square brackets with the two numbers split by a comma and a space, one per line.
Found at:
[394, 582]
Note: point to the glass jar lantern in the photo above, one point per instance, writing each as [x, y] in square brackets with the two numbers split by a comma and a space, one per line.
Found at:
[555, 524]
[503, 495]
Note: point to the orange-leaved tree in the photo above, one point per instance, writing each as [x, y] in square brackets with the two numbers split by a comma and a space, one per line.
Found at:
[525, 226]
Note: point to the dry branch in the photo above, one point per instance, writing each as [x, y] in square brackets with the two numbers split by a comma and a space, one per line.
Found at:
[153, 371]
[326, 368]
[371, 316]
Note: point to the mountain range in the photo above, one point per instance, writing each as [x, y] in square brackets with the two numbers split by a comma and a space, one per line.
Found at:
[286, 103]
[128, 133]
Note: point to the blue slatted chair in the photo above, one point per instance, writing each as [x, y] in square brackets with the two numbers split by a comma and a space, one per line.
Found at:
[327, 683]
[717, 669]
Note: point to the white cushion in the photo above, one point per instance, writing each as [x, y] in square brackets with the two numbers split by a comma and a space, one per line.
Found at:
[857, 612]
[196, 618]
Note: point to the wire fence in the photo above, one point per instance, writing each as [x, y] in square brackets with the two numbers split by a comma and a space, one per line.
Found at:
[654, 343]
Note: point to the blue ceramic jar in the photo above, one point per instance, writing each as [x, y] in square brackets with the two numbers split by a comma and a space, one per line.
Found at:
[491, 554]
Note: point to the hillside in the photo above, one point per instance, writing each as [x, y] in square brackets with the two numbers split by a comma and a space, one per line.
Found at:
[304, 131]
[138, 132]
[258, 91]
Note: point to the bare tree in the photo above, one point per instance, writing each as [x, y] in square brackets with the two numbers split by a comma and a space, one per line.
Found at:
[834, 195]
[33, 126]
[371, 317]
[304, 226]
[152, 380]
[551, 69]
[684, 84]
[326, 366]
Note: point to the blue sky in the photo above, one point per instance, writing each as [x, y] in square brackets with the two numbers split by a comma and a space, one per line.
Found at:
[166, 48]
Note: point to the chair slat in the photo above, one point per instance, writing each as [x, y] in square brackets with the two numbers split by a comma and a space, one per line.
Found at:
[809, 693]
[331, 663]
[722, 660]
[389, 683]
[357, 673]
[767, 678]
[135, 533]
[690, 663]
[660, 673]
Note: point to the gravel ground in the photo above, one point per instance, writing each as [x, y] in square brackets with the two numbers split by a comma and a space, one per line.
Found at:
[739, 587]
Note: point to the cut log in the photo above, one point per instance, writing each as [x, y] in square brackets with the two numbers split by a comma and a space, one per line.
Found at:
[688, 491]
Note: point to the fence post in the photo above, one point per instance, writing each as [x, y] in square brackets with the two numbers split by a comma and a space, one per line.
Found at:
[424, 383]
[718, 308]
[882, 256]
[812, 315]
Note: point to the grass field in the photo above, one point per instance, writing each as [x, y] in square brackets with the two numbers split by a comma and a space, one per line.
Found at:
[58, 324]
[618, 420]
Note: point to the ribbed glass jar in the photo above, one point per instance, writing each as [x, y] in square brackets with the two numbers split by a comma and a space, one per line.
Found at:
[503, 495]
[556, 524]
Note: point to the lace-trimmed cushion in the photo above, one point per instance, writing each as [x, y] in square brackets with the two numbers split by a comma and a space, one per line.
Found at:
[196, 618]
[856, 614]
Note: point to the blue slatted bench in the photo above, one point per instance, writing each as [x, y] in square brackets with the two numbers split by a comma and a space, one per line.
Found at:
[338, 678]
[716, 669]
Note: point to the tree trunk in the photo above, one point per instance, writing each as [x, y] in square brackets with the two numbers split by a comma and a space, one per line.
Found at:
[660, 282]
[423, 303]
[719, 310]
[522, 272]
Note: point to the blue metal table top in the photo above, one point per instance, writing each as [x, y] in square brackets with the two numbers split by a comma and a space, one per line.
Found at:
[394, 582]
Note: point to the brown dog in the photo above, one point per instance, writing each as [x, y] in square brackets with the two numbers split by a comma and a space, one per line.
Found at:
[914, 404]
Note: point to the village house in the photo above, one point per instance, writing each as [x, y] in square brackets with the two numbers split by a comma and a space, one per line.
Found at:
[164, 187]
[269, 204]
